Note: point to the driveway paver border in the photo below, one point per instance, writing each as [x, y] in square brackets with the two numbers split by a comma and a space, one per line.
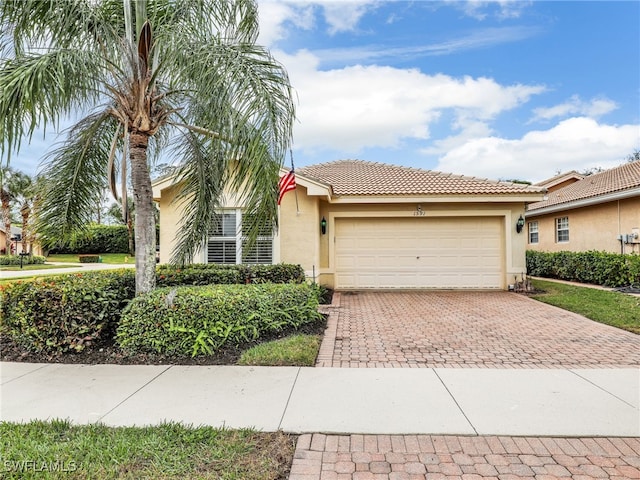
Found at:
[435, 457]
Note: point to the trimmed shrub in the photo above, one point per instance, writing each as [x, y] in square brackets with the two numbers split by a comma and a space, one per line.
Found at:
[208, 274]
[200, 274]
[199, 320]
[67, 312]
[97, 239]
[279, 273]
[26, 260]
[599, 268]
[89, 258]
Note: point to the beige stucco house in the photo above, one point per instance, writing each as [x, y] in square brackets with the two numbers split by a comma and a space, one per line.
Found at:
[354, 224]
[596, 212]
[16, 242]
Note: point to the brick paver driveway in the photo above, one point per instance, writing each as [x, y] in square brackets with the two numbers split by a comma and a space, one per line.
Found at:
[433, 457]
[467, 329]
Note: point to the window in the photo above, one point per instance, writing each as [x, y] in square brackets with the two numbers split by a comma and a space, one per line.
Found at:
[228, 245]
[221, 247]
[562, 229]
[262, 250]
[533, 232]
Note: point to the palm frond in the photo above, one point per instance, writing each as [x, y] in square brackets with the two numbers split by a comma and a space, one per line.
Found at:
[200, 75]
[37, 89]
[37, 24]
[75, 176]
[200, 186]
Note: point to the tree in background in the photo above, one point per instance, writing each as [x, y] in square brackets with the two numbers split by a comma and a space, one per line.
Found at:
[147, 75]
[12, 184]
[25, 198]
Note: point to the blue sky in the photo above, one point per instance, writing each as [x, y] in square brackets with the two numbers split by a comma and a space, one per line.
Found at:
[508, 89]
[492, 89]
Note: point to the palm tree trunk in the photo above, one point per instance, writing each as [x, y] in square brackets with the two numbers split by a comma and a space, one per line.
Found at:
[25, 212]
[6, 219]
[145, 230]
[132, 249]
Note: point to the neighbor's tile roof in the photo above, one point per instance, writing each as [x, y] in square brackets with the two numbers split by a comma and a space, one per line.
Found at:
[358, 177]
[560, 177]
[617, 179]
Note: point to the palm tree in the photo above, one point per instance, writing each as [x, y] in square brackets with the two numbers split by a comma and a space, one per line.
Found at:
[12, 184]
[27, 200]
[151, 77]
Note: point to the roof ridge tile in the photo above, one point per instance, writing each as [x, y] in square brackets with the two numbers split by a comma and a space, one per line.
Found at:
[361, 177]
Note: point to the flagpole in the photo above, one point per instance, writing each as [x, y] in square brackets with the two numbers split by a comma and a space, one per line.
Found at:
[295, 190]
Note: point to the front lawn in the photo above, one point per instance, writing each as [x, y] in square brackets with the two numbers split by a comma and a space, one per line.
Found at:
[295, 350]
[116, 258]
[612, 308]
[57, 449]
[16, 268]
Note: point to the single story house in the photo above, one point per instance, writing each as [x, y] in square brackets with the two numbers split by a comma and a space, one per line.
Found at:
[16, 239]
[354, 224]
[560, 181]
[596, 212]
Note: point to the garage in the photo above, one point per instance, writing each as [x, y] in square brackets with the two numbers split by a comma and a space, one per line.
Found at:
[419, 252]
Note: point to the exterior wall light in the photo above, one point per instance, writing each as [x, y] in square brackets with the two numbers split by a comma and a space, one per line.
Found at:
[520, 224]
[323, 225]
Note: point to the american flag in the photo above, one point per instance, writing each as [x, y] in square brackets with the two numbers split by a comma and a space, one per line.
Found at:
[287, 182]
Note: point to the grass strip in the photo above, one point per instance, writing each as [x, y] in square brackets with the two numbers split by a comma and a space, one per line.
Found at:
[115, 258]
[14, 268]
[296, 350]
[604, 306]
[58, 449]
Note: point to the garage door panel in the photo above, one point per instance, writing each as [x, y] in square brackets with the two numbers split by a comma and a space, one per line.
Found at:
[419, 253]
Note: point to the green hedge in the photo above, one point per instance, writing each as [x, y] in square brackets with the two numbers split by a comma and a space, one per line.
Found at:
[89, 258]
[207, 274]
[97, 239]
[599, 268]
[26, 260]
[198, 320]
[66, 312]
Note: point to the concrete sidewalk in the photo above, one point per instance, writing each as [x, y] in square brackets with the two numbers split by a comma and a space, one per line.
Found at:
[547, 402]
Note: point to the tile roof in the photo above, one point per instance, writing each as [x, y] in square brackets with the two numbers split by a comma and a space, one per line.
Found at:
[618, 179]
[560, 177]
[358, 177]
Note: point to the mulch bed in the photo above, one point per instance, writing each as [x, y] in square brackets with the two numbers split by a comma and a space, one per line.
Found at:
[106, 351]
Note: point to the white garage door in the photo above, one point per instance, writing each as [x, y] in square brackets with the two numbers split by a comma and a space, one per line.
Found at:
[432, 252]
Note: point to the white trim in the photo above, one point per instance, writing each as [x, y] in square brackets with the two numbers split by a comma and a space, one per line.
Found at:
[495, 198]
[529, 232]
[238, 238]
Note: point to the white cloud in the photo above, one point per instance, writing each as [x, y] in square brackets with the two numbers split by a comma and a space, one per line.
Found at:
[481, 9]
[359, 107]
[274, 15]
[477, 39]
[575, 143]
[340, 16]
[576, 106]
[343, 16]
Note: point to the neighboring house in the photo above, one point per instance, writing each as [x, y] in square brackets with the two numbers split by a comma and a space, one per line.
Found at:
[560, 181]
[3, 240]
[355, 224]
[16, 236]
[16, 242]
[596, 212]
